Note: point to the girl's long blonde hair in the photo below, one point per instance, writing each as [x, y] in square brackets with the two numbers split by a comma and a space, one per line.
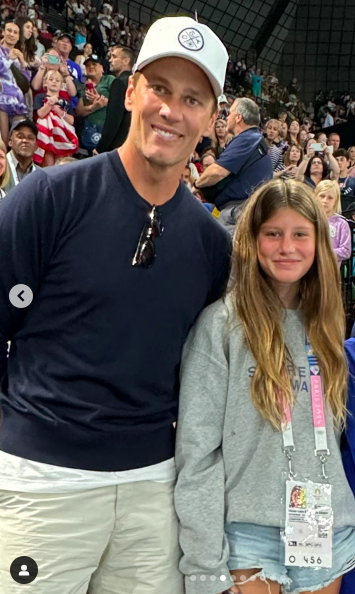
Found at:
[5, 177]
[261, 312]
[325, 186]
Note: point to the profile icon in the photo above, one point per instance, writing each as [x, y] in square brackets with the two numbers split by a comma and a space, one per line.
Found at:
[24, 570]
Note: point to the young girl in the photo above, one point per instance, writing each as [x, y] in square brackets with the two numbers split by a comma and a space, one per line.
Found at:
[328, 194]
[56, 133]
[263, 376]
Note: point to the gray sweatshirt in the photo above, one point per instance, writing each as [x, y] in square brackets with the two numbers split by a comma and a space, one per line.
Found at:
[229, 460]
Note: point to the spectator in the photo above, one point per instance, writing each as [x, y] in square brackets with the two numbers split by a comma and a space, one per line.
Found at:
[64, 47]
[283, 130]
[118, 119]
[292, 159]
[303, 138]
[93, 102]
[207, 159]
[51, 60]
[13, 69]
[310, 110]
[223, 107]
[346, 182]
[351, 155]
[245, 163]
[223, 137]
[293, 133]
[40, 49]
[314, 168]
[329, 120]
[4, 170]
[256, 81]
[27, 41]
[328, 194]
[80, 35]
[23, 143]
[95, 36]
[334, 140]
[56, 134]
[82, 57]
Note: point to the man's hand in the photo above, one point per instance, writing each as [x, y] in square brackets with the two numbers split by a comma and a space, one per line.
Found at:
[63, 68]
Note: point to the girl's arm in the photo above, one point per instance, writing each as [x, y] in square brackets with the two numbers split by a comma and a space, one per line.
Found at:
[200, 488]
[343, 251]
[42, 112]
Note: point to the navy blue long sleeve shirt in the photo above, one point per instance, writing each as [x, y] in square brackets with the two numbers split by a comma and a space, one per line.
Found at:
[92, 377]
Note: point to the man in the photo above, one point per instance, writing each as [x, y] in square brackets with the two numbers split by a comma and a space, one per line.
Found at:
[93, 102]
[206, 160]
[118, 119]
[245, 161]
[64, 45]
[347, 183]
[23, 143]
[334, 140]
[120, 258]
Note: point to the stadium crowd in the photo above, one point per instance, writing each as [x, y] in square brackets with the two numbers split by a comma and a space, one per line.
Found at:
[206, 151]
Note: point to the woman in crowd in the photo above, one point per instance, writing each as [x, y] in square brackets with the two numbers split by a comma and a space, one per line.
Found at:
[273, 130]
[314, 168]
[292, 159]
[293, 133]
[222, 136]
[4, 170]
[303, 138]
[27, 41]
[328, 194]
[80, 34]
[245, 376]
[13, 67]
[351, 154]
[40, 49]
[84, 55]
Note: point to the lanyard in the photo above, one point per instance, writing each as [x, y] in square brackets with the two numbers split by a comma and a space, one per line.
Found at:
[14, 170]
[320, 433]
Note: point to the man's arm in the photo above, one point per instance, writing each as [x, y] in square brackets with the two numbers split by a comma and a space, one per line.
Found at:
[114, 115]
[213, 174]
[28, 233]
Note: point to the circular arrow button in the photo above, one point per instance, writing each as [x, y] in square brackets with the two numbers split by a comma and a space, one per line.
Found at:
[21, 296]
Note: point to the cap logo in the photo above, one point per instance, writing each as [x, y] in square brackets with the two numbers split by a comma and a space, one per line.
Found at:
[191, 39]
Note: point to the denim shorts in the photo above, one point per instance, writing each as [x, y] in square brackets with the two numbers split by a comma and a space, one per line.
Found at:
[253, 546]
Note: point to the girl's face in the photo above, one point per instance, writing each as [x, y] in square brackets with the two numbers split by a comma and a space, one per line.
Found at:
[295, 155]
[322, 138]
[295, 128]
[303, 136]
[352, 153]
[28, 30]
[2, 162]
[286, 246]
[221, 129]
[88, 49]
[328, 200]
[54, 82]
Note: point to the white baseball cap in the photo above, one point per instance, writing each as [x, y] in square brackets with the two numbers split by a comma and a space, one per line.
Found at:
[183, 37]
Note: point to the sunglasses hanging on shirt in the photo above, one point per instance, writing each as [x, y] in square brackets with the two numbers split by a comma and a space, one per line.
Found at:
[145, 252]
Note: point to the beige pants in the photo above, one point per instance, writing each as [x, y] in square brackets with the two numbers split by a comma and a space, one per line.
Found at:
[111, 540]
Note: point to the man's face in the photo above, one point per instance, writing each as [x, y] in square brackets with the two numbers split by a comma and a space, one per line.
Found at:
[172, 105]
[118, 61]
[23, 142]
[334, 141]
[64, 46]
[343, 163]
[207, 161]
[93, 69]
[11, 34]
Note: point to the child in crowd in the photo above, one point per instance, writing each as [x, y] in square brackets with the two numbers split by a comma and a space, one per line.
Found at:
[56, 133]
[263, 376]
[328, 194]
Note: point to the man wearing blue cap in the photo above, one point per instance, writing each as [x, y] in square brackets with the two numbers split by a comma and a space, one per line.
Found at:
[120, 258]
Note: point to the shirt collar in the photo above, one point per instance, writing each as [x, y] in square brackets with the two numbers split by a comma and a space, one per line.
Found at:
[30, 168]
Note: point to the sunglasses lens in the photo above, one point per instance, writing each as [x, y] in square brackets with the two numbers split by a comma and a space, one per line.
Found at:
[146, 254]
